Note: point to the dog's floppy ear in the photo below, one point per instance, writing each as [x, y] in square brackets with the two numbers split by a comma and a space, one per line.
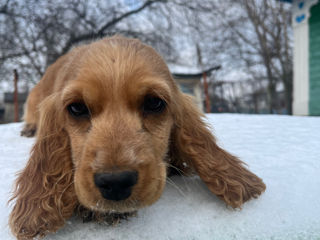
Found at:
[193, 145]
[44, 193]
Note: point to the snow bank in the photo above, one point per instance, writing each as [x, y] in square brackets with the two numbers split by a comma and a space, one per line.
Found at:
[284, 151]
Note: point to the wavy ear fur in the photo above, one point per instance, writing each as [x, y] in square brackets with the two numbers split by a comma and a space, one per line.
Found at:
[44, 193]
[193, 145]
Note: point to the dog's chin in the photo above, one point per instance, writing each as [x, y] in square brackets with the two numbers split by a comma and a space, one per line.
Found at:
[105, 206]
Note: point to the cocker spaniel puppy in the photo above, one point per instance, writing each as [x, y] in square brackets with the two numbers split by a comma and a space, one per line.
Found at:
[109, 120]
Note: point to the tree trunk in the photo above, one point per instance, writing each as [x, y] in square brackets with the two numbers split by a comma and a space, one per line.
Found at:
[271, 97]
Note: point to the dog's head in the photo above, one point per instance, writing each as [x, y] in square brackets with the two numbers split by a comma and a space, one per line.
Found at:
[116, 102]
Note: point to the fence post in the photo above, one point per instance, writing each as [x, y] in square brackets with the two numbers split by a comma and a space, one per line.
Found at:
[15, 97]
[206, 92]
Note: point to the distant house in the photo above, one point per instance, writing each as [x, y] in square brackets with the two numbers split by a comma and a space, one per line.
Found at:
[306, 31]
[9, 105]
[189, 81]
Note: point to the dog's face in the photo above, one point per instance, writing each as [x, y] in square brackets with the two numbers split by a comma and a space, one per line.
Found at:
[118, 113]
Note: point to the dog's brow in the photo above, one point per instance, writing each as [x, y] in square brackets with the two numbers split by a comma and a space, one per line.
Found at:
[157, 88]
[70, 95]
[80, 92]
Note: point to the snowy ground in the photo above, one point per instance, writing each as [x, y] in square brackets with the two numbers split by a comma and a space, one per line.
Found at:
[284, 151]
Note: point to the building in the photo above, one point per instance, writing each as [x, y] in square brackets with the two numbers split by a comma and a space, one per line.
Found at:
[306, 79]
[189, 81]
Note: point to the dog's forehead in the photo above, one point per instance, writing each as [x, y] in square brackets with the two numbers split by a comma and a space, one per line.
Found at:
[123, 65]
[119, 60]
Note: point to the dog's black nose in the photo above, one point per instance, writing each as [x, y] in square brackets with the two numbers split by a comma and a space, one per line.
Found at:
[116, 186]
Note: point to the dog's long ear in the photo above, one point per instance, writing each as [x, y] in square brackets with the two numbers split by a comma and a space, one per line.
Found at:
[193, 145]
[44, 193]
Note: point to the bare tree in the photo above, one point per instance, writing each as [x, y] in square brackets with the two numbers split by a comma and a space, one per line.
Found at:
[261, 33]
[35, 34]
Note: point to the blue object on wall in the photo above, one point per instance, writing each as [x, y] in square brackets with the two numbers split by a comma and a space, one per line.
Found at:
[300, 18]
[301, 5]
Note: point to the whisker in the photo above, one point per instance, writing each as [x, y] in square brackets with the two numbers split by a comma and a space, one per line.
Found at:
[176, 168]
[182, 174]
[168, 180]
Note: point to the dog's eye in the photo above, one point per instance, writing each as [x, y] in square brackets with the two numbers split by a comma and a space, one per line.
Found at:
[78, 109]
[153, 105]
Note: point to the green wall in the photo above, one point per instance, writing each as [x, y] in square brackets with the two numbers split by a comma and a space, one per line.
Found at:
[314, 60]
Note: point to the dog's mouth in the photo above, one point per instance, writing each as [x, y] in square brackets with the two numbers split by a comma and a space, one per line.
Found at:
[116, 186]
[114, 207]
[116, 191]
[119, 190]
[119, 198]
[110, 218]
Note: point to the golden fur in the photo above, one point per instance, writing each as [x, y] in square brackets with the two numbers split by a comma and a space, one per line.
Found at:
[112, 76]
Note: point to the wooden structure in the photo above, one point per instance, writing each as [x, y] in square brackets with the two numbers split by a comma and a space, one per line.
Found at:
[190, 83]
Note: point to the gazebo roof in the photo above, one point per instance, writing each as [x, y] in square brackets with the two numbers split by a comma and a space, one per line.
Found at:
[190, 73]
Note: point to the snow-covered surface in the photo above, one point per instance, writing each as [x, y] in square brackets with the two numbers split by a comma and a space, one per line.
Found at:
[184, 69]
[284, 151]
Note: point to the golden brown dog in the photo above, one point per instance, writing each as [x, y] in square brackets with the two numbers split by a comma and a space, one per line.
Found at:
[109, 120]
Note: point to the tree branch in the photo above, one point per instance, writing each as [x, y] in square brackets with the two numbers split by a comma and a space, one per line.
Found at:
[100, 33]
[13, 55]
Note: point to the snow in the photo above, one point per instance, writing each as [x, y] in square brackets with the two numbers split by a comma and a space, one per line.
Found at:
[184, 69]
[283, 150]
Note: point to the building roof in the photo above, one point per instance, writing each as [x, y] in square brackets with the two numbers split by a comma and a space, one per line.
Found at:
[193, 74]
